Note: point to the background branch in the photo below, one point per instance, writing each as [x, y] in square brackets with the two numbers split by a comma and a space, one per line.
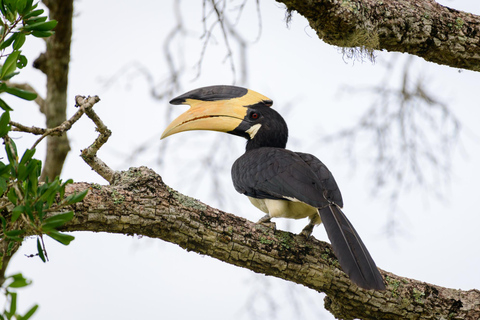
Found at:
[423, 28]
[55, 64]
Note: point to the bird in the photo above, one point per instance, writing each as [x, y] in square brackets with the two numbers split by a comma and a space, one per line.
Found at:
[280, 182]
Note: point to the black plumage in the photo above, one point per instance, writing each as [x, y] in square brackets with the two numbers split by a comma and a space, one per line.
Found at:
[278, 181]
[266, 172]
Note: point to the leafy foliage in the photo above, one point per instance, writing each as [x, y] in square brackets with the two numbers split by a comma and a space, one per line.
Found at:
[27, 206]
[20, 18]
[32, 202]
[14, 282]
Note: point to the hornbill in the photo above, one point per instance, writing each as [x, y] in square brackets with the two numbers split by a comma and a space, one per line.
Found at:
[280, 182]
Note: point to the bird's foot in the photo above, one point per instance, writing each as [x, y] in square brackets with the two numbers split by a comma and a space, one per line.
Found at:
[307, 231]
[266, 221]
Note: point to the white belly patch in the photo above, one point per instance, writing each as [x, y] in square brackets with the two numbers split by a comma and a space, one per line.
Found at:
[285, 208]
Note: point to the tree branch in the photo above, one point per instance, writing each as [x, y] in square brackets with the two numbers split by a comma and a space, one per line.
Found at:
[140, 203]
[89, 155]
[57, 131]
[422, 27]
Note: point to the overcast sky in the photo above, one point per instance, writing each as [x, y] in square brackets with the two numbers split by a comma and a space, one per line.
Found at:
[104, 276]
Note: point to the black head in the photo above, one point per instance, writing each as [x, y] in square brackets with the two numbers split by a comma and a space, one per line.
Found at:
[262, 127]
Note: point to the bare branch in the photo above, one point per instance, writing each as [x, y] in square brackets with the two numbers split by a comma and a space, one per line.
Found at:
[57, 131]
[33, 130]
[410, 134]
[89, 155]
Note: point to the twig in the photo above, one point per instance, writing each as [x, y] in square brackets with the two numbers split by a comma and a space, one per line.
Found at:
[33, 130]
[89, 155]
[57, 131]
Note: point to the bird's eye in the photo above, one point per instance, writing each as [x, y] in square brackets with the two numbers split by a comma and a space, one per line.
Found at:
[254, 115]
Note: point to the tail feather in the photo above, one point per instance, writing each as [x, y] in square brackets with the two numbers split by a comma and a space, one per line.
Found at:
[350, 250]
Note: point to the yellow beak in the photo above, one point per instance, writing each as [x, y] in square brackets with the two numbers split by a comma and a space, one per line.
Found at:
[218, 115]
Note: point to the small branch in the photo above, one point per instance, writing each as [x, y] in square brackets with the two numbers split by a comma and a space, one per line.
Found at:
[57, 131]
[21, 128]
[89, 155]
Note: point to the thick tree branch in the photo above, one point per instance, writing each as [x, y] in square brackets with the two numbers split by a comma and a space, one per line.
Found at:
[420, 27]
[140, 203]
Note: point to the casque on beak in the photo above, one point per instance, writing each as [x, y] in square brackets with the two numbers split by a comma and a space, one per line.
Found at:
[223, 110]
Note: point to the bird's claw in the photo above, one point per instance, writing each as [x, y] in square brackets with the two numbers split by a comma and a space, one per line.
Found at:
[307, 231]
[266, 221]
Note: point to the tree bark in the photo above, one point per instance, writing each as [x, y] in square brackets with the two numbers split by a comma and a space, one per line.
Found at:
[139, 202]
[420, 27]
[55, 64]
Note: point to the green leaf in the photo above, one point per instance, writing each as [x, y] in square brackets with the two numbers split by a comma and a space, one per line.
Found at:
[5, 106]
[28, 211]
[21, 5]
[33, 13]
[30, 312]
[18, 282]
[76, 197]
[40, 250]
[11, 150]
[4, 169]
[28, 7]
[24, 171]
[49, 192]
[3, 185]
[57, 220]
[11, 75]
[4, 123]
[35, 20]
[16, 212]
[41, 26]
[10, 64]
[15, 235]
[27, 165]
[32, 182]
[2, 8]
[19, 41]
[63, 238]
[22, 61]
[9, 41]
[27, 156]
[12, 196]
[62, 188]
[24, 94]
[42, 34]
[13, 303]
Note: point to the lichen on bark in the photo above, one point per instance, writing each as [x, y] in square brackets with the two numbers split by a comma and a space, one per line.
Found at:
[150, 208]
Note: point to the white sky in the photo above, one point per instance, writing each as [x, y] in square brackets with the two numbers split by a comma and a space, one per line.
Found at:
[103, 276]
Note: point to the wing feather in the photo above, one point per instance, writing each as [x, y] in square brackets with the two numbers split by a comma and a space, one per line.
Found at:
[274, 173]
